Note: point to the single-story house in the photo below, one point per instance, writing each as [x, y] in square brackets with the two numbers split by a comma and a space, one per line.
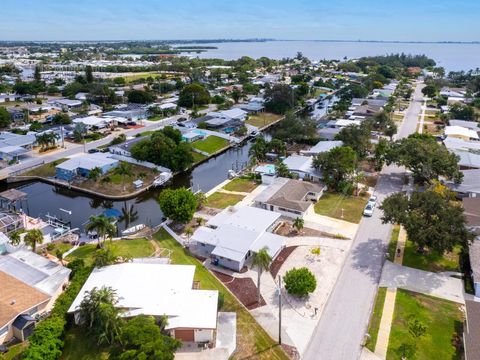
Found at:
[364, 101]
[13, 146]
[453, 92]
[468, 160]
[472, 125]
[321, 147]
[341, 123]
[131, 112]
[81, 96]
[29, 285]
[452, 143]
[471, 332]
[66, 104]
[157, 289]
[8, 97]
[291, 198]
[471, 207]
[302, 166]
[460, 132]
[82, 164]
[327, 133]
[231, 237]
[192, 136]
[470, 185]
[125, 147]
[93, 121]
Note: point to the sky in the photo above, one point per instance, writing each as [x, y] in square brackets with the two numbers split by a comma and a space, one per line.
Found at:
[399, 20]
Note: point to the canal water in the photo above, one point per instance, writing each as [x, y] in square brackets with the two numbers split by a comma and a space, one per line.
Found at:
[46, 199]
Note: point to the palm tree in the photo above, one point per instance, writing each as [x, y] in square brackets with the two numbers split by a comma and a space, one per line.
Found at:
[123, 169]
[258, 149]
[261, 260]
[188, 232]
[99, 314]
[102, 225]
[298, 224]
[282, 169]
[33, 237]
[95, 173]
[129, 214]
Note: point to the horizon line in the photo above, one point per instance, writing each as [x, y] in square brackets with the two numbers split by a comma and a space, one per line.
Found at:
[213, 40]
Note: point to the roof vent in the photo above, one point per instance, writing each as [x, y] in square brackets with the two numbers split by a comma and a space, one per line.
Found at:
[13, 302]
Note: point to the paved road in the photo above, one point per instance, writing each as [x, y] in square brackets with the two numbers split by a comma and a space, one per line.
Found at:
[79, 148]
[341, 329]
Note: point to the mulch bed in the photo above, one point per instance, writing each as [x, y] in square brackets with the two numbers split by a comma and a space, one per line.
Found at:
[280, 259]
[287, 229]
[244, 290]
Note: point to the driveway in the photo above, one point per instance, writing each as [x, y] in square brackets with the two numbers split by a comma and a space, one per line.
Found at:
[435, 284]
[340, 332]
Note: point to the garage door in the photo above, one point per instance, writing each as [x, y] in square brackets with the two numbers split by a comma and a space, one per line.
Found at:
[184, 335]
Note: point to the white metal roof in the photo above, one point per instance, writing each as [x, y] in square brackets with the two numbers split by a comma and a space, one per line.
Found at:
[461, 131]
[34, 270]
[239, 231]
[156, 289]
[323, 146]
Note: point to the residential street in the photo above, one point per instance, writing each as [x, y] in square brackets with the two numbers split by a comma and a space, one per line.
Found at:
[341, 330]
[79, 148]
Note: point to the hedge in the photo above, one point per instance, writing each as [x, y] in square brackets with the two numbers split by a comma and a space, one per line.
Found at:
[46, 342]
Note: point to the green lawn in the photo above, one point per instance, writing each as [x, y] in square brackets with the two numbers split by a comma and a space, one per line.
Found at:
[210, 144]
[45, 170]
[252, 341]
[262, 119]
[432, 261]
[197, 157]
[392, 245]
[131, 248]
[375, 319]
[241, 185]
[59, 247]
[331, 204]
[79, 346]
[220, 200]
[156, 118]
[442, 318]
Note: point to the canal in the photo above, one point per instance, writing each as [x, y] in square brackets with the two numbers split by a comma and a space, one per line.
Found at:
[46, 199]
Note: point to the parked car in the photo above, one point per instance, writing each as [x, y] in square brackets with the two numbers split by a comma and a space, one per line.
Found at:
[368, 211]
[93, 151]
[372, 200]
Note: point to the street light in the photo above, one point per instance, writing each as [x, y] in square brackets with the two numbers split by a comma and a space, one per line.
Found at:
[69, 212]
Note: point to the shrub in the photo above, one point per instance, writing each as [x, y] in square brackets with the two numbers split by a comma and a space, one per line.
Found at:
[46, 342]
[300, 282]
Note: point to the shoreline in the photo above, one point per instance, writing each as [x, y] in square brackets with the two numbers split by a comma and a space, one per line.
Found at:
[32, 178]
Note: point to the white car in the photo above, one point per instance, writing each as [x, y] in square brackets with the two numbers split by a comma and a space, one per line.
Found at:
[372, 200]
[368, 211]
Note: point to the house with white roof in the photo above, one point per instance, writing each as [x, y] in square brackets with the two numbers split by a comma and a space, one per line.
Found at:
[461, 132]
[231, 237]
[321, 147]
[157, 289]
[302, 166]
[473, 125]
[453, 143]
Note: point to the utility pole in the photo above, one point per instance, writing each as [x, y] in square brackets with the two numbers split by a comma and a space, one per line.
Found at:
[63, 141]
[279, 310]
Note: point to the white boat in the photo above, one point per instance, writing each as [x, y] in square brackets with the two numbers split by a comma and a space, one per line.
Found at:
[134, 229]
[162, 178]
[231, 174]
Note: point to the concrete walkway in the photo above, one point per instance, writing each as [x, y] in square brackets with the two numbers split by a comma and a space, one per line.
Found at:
[435, 284]
[381, 345]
